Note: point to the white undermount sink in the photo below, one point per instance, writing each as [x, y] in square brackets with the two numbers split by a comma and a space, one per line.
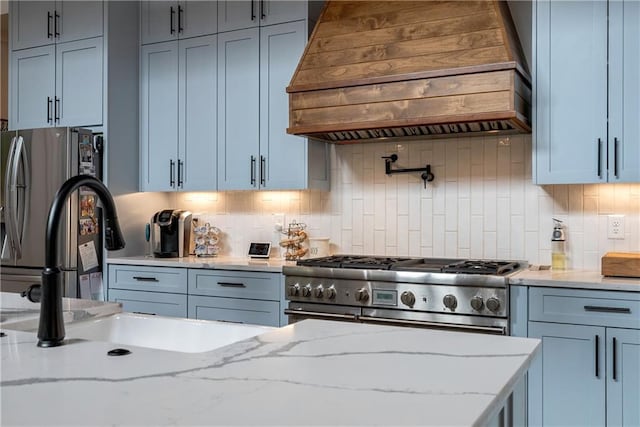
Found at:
[163, 333]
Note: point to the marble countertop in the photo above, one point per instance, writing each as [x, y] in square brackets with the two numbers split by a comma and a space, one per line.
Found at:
[21, 314]
[219, 262]
[312, 372]
[580, 279]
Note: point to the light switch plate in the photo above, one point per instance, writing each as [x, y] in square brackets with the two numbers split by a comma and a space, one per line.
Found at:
[615, 227]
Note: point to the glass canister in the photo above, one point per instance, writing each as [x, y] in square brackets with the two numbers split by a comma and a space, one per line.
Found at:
[558, 250]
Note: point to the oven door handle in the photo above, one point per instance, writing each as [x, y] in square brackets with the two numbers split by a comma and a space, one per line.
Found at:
[419, 323]
[318, 314]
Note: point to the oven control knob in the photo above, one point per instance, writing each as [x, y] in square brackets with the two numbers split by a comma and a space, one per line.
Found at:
[331, 292]
[408, 298]
[294, 290]
[362, 295]
[318, 291]
[477, 303]
[306, 291]
[493, 304]
[450, 302]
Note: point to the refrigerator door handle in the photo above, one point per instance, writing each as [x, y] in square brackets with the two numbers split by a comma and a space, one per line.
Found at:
[7, 250]
[22, 160]
[11, 214]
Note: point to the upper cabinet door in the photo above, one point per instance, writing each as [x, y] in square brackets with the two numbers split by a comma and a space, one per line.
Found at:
[32, 23]
[623, 377]
[277, 12]
[77, 20]
[285, 163]
[158, 21]
[32, 88]
[198, 114]
[197, 18]
[159, 116]
[571, 94]
[624, 91]
[238, 14]
[238, 109]
[79, 83]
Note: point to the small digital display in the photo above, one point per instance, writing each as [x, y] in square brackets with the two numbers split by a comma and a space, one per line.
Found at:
[385, 297]
[259, 250]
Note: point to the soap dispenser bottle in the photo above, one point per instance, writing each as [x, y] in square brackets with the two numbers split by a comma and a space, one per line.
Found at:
[558, 255]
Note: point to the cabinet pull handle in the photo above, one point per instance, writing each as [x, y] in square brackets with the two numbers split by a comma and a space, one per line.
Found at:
[180, 173]
[600, 309]
[144, 312]
[56, 31]
[597, 356]
[599, 158]
[172, 181]
[253, 13]
[263, 167]
[262, 15]
[615, 359]
[615, 157]
[171, 15]
[145, 279]
[232, 285]
[180, 10]
[253, 171]
[56, 110]
[49, 19]
[49, 105]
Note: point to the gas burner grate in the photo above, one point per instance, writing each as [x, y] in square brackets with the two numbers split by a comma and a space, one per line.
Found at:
[355, 261]
[498, 268]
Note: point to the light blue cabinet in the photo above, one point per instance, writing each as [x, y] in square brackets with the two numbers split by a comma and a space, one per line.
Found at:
[159, 116]
[171, 20]
[586, 89]
[255, 297]
[178, 115]
[57, 85]
[242, 14]
[40, 23]
[238, 109]
[78, 95]
[573, 356]
[623, 377]
[32, 87]
[255, 151]
[590, 345]
[624, 91]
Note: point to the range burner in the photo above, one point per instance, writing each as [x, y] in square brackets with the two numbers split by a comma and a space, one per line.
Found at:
[498, 268]
[355, 261]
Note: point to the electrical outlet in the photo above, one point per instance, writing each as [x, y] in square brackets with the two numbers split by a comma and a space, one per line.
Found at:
[615, 227]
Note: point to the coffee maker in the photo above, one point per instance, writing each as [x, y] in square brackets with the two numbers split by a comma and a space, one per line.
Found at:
[171, 233]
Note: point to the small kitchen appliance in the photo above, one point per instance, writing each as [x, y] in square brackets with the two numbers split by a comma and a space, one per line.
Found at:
[459, 294]
[171, 233]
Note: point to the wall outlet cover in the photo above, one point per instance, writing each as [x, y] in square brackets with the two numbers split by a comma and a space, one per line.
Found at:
[615, 227]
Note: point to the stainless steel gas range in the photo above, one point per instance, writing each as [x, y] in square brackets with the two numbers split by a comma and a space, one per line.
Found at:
[469, 295]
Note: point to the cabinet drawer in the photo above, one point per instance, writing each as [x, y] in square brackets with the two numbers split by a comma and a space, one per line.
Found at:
[150, 302]
[156, 279]
[600, 308]
[235, 284]
[235, 310]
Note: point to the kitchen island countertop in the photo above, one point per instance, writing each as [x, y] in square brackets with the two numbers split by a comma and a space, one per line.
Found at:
[312, 372]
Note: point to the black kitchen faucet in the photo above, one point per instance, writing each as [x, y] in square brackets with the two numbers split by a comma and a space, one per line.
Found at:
[51, 328]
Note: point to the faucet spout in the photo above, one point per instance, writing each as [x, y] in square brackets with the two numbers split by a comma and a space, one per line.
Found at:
[51, 328]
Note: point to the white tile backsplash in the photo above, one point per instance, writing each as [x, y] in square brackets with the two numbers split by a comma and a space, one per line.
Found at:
[482, 204]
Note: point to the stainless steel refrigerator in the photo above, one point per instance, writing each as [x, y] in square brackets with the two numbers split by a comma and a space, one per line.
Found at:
[35, 163]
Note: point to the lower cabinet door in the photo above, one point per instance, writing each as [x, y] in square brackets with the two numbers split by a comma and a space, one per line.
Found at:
[162, 304]
[623, 377]
[237, 310]
[567, 380]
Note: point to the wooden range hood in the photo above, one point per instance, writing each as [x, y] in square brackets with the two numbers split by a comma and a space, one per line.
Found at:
[410, 69]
